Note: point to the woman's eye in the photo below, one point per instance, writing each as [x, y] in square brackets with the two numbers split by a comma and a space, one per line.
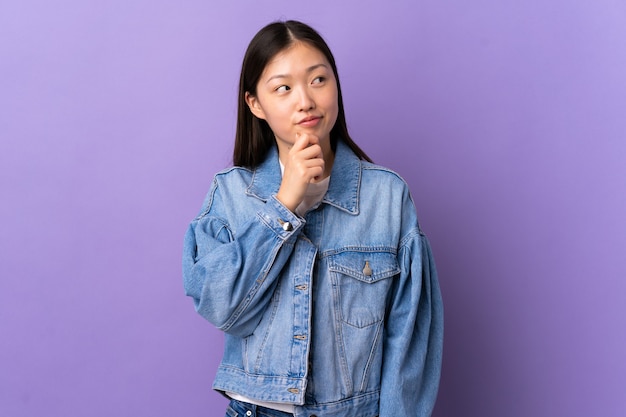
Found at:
[318, 80]
[283, 89]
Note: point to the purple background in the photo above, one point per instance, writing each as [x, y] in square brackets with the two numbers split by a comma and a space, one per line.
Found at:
[507, 119]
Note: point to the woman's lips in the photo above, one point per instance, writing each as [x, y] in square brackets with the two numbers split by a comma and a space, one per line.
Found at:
[310, 121]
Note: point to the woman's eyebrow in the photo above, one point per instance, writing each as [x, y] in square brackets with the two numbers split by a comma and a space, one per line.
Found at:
[316, 66]
[308, 70]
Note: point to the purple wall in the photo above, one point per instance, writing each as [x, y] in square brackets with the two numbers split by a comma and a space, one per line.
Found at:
[508, 120]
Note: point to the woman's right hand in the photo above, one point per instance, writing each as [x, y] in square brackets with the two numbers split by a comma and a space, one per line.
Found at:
[303, 164]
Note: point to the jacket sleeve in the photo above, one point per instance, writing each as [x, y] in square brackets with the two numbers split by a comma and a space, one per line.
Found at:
[413, 340]
[231, 276]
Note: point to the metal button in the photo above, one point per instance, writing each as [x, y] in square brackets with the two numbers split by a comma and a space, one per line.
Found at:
[287, 227]
[367, 271]
[248, 413]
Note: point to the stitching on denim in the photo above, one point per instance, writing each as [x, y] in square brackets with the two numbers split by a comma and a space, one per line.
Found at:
[370, 359]
[275, 302]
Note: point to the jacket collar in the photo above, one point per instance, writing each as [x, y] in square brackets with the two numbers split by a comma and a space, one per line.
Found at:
[343, 189]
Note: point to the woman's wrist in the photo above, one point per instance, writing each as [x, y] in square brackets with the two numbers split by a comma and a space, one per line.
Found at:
[289, 203]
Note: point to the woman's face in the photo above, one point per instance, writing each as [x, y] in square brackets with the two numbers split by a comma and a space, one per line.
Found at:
[297, 93]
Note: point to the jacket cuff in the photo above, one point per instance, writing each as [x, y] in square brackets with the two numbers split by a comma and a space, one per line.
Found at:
[280, 219]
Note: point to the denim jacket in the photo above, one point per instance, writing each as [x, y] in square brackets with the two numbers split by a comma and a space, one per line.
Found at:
[339, 312]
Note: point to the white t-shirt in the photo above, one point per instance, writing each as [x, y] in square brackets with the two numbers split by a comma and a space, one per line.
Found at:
[314, 194]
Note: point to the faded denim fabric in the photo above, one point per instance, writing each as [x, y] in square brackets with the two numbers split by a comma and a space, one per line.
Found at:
[338, 313]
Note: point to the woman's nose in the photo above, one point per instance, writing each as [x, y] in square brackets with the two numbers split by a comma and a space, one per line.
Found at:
[305, 100]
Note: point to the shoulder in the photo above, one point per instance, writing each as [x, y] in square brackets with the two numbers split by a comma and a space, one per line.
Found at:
[227, 185]
[232, 180]
[389, 189]
[234, 173]
[378, 175]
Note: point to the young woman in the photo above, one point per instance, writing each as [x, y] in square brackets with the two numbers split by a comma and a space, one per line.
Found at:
[309, 257]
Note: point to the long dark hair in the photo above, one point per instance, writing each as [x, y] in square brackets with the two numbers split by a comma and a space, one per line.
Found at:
[254, 137]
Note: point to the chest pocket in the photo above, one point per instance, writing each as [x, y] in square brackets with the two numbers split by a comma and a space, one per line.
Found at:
[361, 281]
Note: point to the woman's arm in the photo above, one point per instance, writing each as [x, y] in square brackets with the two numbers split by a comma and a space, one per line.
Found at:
[413, 340]
[232, 276]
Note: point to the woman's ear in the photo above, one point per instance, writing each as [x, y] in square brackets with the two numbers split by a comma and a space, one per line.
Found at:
[254, 106]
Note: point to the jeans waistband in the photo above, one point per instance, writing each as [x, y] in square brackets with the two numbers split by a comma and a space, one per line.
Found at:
[238, 408]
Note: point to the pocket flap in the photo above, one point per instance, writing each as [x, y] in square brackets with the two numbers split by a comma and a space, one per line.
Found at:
[365, 266]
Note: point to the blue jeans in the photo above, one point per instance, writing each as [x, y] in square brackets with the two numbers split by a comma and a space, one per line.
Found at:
[241, 409]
